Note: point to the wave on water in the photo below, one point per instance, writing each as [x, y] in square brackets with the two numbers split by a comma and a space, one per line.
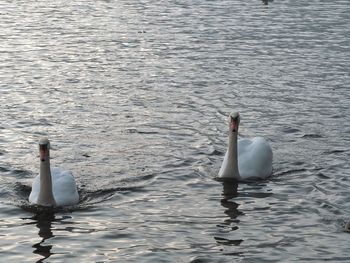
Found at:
[16, 187]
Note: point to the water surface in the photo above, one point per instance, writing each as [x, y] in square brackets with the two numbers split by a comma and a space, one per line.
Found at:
[134, 96]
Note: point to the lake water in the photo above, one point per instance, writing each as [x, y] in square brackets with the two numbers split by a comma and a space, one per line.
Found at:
[134, 96]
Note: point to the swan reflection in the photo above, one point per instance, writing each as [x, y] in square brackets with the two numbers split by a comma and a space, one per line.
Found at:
[231, 210]
[230, 188]
[266, 2]
[44, 223]
[229, 192]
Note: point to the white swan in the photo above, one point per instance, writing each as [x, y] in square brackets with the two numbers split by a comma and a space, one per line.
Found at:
[52, 187]
[245, 158]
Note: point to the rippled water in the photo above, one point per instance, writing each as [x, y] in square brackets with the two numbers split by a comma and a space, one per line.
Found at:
[134, 96]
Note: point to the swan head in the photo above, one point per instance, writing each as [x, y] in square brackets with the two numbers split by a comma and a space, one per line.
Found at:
[44, 149]
[234, 120]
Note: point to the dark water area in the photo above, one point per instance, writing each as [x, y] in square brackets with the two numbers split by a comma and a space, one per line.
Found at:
[134, 96]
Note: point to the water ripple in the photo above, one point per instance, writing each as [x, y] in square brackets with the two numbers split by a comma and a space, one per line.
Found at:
[135, 95]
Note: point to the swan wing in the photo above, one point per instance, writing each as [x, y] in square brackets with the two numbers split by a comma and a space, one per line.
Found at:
[223, 165]
[34, 194]
[254, 158]
[64, 187]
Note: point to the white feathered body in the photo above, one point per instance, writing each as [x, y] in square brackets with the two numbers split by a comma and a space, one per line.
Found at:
[254, 159]
[63, 187]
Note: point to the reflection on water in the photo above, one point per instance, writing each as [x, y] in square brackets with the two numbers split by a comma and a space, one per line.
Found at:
[229, 192]
[230, 224]
[44, 224]
[240, 199]
[266, 2]
[230, 187]
[43, 220]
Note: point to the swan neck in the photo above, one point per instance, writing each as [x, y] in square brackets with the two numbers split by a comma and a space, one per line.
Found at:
[233, 154]
[46, 194]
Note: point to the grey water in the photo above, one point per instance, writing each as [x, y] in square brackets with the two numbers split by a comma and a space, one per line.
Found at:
[134, 96]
